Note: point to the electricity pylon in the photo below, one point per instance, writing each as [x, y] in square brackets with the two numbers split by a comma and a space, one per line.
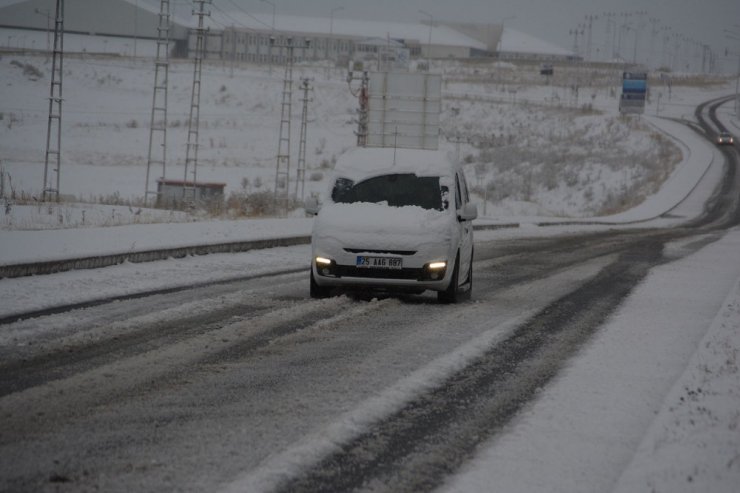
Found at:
[54, 148]
[191, 155]
[158, 124]
[282, 170]
[301, 167]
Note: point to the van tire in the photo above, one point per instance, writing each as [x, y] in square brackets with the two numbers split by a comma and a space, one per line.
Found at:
[452, 293]
[317, 291]
[468, 293]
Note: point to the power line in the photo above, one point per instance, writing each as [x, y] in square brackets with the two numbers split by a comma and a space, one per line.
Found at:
[249, 15]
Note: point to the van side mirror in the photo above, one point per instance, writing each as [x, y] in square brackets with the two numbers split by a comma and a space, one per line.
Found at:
[311, 205]
[468, 212]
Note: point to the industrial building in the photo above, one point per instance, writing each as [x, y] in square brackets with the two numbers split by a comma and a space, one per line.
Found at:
[260, 38]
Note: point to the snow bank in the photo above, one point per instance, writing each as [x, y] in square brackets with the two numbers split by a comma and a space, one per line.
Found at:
[694, 443]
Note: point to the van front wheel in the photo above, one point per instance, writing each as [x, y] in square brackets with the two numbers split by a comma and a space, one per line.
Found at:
[452, 294]
[317, 291]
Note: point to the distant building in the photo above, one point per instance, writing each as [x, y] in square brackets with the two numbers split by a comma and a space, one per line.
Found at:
[132, 19]
[515, 45]
[248, 38]
[242, 37]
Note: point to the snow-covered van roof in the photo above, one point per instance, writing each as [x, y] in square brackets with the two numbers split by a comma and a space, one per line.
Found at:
[364, 162]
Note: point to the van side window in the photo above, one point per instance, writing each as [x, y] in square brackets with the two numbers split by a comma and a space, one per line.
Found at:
[458, 194]
[465, 194]
[342, 191]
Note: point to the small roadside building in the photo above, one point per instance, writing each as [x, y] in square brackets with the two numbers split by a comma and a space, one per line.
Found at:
[175, 194]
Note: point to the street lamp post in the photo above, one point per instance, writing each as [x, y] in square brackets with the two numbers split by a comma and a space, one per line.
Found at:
[429, 41]
[272, 34]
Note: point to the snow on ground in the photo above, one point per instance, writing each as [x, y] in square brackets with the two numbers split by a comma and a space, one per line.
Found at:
[677, 314]
[34, 246]
[582, 432]
[692, 445]
[40, 292]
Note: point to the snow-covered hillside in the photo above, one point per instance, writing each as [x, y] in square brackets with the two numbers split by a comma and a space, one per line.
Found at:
[533, 146]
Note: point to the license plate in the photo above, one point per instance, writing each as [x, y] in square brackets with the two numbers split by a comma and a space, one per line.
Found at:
[379, 262]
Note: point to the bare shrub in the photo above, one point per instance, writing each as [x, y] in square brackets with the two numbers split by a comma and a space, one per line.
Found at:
[242, 204]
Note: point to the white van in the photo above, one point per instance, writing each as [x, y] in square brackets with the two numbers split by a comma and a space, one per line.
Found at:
[396, 220]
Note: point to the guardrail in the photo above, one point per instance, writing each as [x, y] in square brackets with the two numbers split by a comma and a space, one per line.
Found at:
[98, 261]
[95, 262]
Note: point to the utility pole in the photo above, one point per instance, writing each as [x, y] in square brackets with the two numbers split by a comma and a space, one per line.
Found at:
[578, 31]
[301, 168]
[233, 51]
[653, 35]
[608, 45]
[363, 97]
[589, 25]
[2, 182]
[158, 121]
[191, 155]
[54, 150]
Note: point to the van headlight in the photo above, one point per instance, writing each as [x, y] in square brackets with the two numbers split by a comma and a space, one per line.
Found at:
[435, 271]
[325, 266]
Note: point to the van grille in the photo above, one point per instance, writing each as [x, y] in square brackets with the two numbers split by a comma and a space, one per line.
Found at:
[391, 252]
[351, 271]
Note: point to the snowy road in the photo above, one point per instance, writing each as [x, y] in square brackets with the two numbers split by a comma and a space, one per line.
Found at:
[246, 384]
[190, 389]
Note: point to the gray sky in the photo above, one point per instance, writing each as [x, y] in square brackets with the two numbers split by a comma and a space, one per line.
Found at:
[703, 21]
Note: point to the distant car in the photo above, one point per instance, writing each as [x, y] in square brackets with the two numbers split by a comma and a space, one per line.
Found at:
[725, 138]
[396, 221]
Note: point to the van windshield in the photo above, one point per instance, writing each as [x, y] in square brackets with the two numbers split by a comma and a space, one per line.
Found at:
[397, 190]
